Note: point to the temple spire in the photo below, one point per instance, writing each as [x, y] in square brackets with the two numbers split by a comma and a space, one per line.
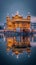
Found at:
[17, 12]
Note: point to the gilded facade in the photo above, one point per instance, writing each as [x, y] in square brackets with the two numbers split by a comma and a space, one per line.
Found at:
[17, 21]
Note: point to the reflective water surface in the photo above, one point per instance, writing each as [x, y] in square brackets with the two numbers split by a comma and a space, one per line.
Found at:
[17, 43]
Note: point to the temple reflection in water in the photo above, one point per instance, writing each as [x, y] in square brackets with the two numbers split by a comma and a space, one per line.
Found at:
[18, 45]
[18, 25]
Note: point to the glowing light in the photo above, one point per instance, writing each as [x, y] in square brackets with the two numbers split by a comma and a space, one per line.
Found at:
[4, 27]
[17, 57]
[4, 38]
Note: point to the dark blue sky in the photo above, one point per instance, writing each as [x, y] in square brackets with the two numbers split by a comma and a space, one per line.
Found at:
[11, 6]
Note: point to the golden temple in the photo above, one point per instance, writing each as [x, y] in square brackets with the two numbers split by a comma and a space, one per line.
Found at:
[17, 21]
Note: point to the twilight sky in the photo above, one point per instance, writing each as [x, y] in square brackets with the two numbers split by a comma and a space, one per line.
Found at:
[9, 7]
